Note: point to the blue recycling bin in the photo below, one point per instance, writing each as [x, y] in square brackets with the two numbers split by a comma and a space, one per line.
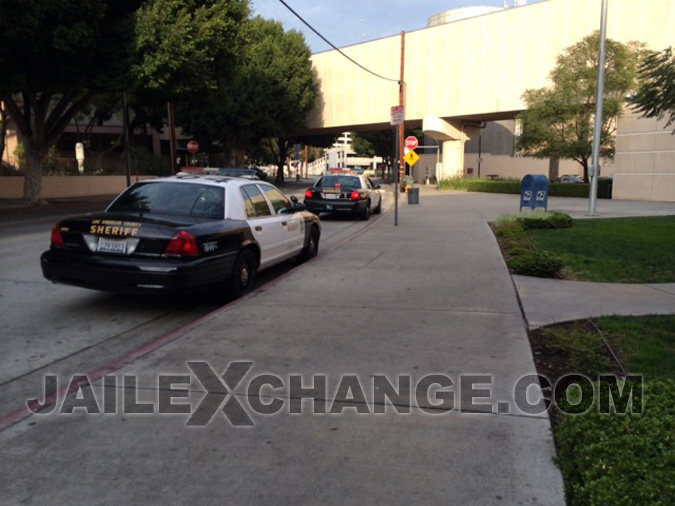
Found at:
[534, 192]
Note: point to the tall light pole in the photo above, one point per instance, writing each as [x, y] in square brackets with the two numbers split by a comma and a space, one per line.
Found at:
[597, 129]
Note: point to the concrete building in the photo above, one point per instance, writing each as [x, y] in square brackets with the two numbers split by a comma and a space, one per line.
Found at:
[475, 69]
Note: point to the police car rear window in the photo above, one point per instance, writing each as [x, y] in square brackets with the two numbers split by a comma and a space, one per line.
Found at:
[343, 181]
[184, 199]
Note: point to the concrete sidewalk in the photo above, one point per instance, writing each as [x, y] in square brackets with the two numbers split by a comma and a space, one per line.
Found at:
[431, 296]
[547, 301]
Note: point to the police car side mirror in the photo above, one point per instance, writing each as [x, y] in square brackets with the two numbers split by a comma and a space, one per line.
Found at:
[298, 206]
[294, 199]
[377, 187]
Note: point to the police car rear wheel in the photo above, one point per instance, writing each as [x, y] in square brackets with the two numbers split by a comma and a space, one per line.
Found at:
[366, 212]
[244, 274]
[311, 248]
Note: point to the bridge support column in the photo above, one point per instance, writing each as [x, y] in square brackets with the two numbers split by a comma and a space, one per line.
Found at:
[452, 136]
[453, 159]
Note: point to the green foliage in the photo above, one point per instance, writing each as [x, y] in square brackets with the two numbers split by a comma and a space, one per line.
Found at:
[656, 95]
[513, 187]
[619, 459]
[185, 46]
[147, 164]
[558, 122]
[536, 263]
[545, 220]
[268, 96]
[488, 186]
[585, 352]
[20, 154]
[453, 183]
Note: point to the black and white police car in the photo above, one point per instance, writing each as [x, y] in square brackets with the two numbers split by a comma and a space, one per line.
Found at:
[344, 192]
[183, 232]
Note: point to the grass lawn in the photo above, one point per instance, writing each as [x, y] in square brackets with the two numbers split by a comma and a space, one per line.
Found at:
[627, 250]
[645, 345]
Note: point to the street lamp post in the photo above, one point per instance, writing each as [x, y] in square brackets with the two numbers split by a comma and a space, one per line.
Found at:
[597, 128]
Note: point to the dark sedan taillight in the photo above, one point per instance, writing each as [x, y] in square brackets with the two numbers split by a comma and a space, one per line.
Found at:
[57, 238]
[309, 194]
[182, 244]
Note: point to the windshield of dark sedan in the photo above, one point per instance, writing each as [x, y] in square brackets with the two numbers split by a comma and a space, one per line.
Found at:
[343, 181]
[185, 199]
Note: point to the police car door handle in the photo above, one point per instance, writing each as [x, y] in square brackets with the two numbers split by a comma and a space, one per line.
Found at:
[284, 223]
[258, 228]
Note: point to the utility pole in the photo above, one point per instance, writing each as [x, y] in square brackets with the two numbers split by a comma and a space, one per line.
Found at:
[401, 102]
[597, 127]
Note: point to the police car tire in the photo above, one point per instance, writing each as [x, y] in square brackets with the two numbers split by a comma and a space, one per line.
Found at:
[378, 209]
[365, 215]
[311, 249]
[244, 274]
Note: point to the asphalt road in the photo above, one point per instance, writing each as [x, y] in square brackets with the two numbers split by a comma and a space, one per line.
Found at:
[62, 330]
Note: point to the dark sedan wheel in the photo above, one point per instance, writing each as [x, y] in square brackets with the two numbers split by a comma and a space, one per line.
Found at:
[244, 274]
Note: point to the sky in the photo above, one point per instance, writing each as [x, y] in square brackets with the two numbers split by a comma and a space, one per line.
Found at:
[347, 22]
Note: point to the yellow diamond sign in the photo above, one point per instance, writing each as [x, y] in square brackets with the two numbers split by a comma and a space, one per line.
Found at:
[411, 158]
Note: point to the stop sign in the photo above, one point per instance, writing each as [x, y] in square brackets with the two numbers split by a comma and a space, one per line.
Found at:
[193, 146]
[411, 142]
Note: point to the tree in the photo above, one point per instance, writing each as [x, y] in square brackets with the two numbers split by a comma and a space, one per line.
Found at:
[264, 105]
[380, 143]
[656, 94]
[558, 122]
[58, 54]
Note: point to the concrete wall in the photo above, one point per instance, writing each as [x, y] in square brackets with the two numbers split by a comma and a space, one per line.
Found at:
[518, 167]
[645, 160]
[11, 187]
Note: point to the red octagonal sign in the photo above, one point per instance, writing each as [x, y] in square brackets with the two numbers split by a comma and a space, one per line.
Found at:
[193, 146]
[411, 142]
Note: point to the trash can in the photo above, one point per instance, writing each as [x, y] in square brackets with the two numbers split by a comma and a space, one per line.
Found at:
[413, 196]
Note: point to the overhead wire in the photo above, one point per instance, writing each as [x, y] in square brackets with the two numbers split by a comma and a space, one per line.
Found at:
[334, 46]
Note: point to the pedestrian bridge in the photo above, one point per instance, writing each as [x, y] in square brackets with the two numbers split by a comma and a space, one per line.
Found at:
[471, 70]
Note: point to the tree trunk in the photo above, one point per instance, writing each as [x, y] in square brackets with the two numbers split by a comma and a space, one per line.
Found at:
[280, 170]
[585, 166]
[553, 168]
[3, 129]
[32, 182]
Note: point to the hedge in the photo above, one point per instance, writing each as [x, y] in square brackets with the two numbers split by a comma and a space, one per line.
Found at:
[511, 186]
[621, 459]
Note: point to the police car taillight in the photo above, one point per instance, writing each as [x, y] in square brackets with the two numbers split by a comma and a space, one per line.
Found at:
[308, 194]
[355, 195]
[182, 244]
[57, 238]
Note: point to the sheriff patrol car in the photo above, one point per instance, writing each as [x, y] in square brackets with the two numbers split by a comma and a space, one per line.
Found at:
[344, 191]
[180, 233]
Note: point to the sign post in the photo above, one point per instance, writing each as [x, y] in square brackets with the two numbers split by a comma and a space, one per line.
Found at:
[397, 118]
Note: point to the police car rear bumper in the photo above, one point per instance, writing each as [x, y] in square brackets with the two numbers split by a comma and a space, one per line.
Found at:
[134, 275]
[335, 206]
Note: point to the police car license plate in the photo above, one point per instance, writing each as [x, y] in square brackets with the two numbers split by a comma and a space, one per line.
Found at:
[330, 195]
[106, 245]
